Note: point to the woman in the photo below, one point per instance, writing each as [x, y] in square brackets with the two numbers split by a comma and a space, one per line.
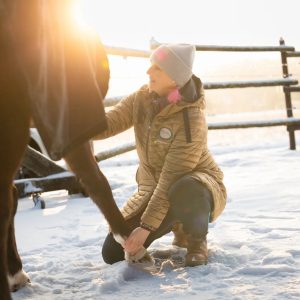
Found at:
[179, 184]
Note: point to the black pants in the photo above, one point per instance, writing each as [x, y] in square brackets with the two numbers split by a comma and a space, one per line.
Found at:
[191, 204]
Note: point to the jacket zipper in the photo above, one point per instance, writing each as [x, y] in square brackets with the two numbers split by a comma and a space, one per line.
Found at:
[152, 117]
[152, 169]
[147, 143]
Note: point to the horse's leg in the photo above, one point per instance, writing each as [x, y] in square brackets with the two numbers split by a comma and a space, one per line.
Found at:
[9, 161]
[82, 162]
[5, 211]
[10, 157]
[14, 135]
[16, 276]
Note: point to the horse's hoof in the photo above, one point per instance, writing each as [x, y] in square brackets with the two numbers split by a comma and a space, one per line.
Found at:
[142, 261]
[142, 256]
[18, 280]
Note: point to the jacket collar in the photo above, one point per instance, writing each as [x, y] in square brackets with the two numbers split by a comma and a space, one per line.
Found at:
[191, 95]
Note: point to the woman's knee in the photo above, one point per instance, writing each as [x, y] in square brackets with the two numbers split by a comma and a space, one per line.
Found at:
[189, 196]
[188, 187]
[179, 187]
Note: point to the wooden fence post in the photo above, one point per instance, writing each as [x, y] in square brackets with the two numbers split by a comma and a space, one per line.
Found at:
[287, 95]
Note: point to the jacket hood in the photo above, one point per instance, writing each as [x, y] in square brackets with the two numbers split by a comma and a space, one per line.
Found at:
[190, 92]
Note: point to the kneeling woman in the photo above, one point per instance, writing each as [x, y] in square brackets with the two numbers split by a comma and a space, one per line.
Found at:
[180, 186]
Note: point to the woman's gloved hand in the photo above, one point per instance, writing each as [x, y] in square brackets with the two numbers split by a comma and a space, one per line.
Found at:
[136, 240]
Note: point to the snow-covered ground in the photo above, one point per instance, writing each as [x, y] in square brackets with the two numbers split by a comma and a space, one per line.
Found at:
[254, 247]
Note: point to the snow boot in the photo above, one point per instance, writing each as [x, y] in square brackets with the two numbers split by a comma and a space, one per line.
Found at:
[180, 237]
[197, 253]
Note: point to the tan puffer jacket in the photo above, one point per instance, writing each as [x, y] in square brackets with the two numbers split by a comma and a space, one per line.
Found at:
[164, 153]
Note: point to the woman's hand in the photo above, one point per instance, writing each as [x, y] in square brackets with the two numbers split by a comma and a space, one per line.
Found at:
[136, 240]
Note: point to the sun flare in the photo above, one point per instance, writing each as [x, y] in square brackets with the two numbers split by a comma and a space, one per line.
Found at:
[93, 15]
[108, 18]
[84, 13]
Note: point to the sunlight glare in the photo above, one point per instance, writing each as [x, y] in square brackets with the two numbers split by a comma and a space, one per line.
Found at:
[84, 13]
[101, 17]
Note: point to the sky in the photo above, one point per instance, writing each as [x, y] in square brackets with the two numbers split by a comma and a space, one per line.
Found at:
[132, 23]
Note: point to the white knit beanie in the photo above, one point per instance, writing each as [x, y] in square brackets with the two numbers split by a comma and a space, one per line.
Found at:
[176, 60]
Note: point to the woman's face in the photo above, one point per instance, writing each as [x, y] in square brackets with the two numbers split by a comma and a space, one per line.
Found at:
[159, 81]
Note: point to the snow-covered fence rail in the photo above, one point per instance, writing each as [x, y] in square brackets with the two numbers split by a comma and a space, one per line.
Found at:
[286, 82]
[250, 124]
[211, 126]
[115, 151]
[154, 44]
[126, 52]
[247, 84]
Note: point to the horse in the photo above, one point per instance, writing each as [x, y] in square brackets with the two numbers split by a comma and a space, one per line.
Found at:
[57, 76]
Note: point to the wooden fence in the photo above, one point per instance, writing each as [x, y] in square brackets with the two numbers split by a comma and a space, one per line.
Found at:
[53, 177]
[289, 84]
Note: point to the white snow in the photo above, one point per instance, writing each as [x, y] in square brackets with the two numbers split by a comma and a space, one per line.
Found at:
[254, 247]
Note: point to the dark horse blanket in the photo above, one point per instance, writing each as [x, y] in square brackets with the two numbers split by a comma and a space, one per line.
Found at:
[51, 52]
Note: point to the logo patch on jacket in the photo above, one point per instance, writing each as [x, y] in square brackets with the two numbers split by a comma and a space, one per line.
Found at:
[165, 133]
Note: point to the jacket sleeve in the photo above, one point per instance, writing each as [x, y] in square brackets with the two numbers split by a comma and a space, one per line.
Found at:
[119, 118]
[181, 159]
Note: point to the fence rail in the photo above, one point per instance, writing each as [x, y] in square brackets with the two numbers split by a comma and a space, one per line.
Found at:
[212, 126]
[244, 48]
[247, 84]
[127, 52]
[293, 54]
[231, 84]
[292, 88]
[257, 123]
[154, 44]
[115, 151]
